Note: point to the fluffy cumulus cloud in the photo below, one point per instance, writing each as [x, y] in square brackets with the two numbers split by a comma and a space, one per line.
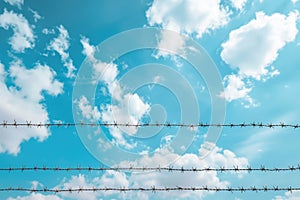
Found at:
[236, 88]
[252, 48]
[118, 179]
[61, 44]
[88, 112]
[112, 179]
[289, 196]
[23, 36]
[36, 196]
[22, 101]
[166, 42]
[88, 50]
[167, 48]
[238, 4]
[216, 158]
[126, 107]
[191, 16]
[17, 3]
[43, 78]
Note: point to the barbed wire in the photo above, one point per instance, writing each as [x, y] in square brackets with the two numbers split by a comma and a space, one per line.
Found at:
[30, 124]
[155, 189]
[157, 169]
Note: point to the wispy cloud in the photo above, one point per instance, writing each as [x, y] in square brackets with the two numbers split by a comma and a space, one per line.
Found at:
[17, 3]
[23, 36]
[128, 107]
[61, 44]
[36, 15]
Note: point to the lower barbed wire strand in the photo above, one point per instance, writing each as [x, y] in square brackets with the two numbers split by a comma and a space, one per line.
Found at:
[155, 189]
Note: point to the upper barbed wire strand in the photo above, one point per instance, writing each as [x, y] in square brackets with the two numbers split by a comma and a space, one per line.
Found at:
[249, 169]
[30, 124]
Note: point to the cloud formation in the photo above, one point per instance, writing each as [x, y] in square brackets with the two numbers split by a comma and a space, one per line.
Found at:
[22, 100]
[190, 16]
[118, 179]
[238, 4]
[61, 45]
[23, 36]
[252, 48]
[289, 196]
[36, 196]
[126, 107]
[17, 3]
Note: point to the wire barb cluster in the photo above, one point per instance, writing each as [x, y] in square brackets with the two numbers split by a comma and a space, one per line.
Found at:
[30, 124]
[157, 169]
[155, 189]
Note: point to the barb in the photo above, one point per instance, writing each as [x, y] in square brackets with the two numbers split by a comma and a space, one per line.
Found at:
[155, 189]
[29, 124]
[157, 169]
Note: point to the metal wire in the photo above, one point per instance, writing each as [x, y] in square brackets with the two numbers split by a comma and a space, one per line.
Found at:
[30, 124]
[155, 189]
[157, 169]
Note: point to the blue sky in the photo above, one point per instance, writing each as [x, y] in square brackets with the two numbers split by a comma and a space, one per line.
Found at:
[145, 61]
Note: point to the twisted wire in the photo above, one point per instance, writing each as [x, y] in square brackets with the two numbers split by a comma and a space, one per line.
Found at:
[30, 124]
[157, 169]
[154, 189]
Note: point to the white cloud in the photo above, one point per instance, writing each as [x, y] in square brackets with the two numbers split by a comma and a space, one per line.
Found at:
[166, 42]
[104, 145]
[254, 46]
[236, 89]
[43, 78]
[118, 179]
[167, 48]
[294, 1]
[87, 111]
[88, 50]
[295, 195]
[76, 182]
[190, 16]
[216, 158]
[47, 31]
[127, 107]
[108, 179]
[128, 110]
[61, 45]
[23, 36]
[17, 3]
[36, 196]
[238, 4]
[106, 72]
[36, 15]
[22, 101]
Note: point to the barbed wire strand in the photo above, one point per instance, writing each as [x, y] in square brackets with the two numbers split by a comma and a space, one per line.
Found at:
[182, 169]
[155, 189]
[30, 124]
